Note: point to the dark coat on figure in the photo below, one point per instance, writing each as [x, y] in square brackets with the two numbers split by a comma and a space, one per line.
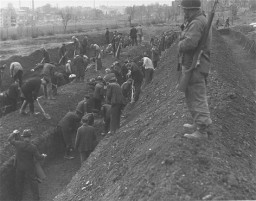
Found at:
[26, 153]
[31, 86]
[85, 138]
[114, 94]
[70, 121]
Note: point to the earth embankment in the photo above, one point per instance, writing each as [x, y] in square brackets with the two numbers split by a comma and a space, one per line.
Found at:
[149, 159]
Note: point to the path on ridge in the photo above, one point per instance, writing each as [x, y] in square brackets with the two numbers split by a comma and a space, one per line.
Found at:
[245, 60]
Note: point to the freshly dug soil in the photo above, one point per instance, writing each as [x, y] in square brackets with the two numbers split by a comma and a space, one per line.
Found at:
[149, 159]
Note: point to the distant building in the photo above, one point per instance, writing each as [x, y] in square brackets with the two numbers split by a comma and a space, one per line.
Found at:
[7, 18]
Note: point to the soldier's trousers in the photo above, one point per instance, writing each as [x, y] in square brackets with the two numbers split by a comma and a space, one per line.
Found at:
[20, 179]
[115, 115]
[196, 99]
[84, 155]
[137, 87]
[29, 100]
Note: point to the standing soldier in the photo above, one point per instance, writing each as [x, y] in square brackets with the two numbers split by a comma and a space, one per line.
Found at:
[195, 93]
[30, 90]
[84, 45]
[107, 36]
[46, 56]
[114, 97]
[77, 45]
[67, 127]
[63, 54]
[155, 55]
[26, 155]
[79, 65]
[85, 139]
[133, 35]
[47, 73]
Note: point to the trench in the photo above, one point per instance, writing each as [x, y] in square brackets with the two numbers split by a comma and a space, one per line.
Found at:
[59, 171]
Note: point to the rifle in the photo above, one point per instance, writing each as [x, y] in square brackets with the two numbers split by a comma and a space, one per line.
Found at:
[186, 75]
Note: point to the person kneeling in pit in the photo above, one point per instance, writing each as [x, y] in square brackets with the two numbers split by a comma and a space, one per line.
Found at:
[86, 139]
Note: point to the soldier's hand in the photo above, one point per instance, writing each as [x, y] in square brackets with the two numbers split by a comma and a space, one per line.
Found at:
[32, 70]
[44, 155]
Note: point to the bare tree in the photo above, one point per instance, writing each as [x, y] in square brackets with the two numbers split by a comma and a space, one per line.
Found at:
[66, 16]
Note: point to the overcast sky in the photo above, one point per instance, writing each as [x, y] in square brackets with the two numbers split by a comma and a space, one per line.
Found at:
[88, 3]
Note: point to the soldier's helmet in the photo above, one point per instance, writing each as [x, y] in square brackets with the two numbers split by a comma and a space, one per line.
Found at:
[190, 4]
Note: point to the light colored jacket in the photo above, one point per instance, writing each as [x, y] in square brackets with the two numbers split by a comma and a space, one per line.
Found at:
[190, 39]
[14, 68]
[147, 63]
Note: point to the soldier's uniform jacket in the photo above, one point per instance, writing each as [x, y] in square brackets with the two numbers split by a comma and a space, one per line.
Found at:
[114, 94]
[126, 89]
[70, 121]
[26, 153]
[85, 138]
[190, 39]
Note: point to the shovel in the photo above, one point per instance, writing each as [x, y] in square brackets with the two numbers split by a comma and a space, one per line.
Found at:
[47, 116]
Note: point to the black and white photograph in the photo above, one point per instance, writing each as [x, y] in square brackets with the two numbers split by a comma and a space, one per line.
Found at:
[140, 100]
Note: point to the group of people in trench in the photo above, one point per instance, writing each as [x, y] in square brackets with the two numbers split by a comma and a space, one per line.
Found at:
[106, 97]
[110, 93]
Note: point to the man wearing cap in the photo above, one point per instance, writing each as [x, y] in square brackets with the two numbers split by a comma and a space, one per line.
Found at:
[30, 90]
[67, 127]
[115, 98]
[46, 56]
[97, 53]
[109, 75]
[86, 140]
[47, 73]
[86, 105]
[77, 45]
[16, 72]
[195, 93]
[26, 154]
[98, 94]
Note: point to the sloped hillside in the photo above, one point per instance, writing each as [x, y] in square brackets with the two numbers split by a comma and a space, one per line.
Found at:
[149, 159]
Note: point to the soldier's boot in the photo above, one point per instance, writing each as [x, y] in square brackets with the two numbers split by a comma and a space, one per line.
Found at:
[200, 133]
[189, 126]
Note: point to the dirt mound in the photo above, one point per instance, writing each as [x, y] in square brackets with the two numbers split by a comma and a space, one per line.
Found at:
[148, 159]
